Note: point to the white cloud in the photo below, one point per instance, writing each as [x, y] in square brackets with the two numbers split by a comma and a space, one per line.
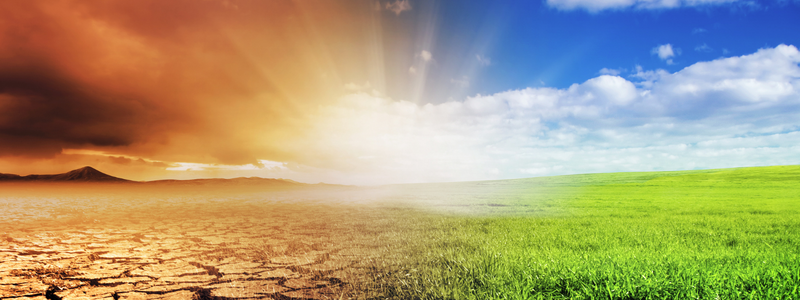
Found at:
[595, 6]
[412, 70]
[609, 89]
[699, 30]
[729, 112]
[703, 48]
[426, 56]
[589, 5]
[483, 60]
[607, 71]
[648, 77]
[663, 51]
[398, 6]
[768, 75]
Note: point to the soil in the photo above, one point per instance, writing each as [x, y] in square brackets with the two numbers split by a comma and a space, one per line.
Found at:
[193, 247]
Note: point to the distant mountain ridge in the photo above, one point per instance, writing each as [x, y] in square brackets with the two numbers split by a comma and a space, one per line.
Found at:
[85, 174]
[89, 174]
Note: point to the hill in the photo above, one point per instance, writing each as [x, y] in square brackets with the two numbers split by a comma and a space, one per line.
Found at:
[85, 174]
[92, 175]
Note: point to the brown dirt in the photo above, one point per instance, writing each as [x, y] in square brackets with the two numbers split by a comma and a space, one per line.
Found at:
[154, 247]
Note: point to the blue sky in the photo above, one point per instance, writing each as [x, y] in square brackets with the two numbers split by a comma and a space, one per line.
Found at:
[509, 89]
[532, 43]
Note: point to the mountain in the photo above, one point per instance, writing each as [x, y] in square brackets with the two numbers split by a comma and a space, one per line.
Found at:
[4, 176]
[85, 174]
[89, 174]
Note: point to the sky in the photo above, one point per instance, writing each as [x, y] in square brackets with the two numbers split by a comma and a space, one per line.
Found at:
[399, 91]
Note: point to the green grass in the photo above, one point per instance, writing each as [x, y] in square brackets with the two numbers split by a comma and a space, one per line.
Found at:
[712, 234]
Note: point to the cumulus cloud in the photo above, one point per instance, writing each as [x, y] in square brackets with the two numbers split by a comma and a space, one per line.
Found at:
[398, 6]
[610, 89]
[665, 52]
[646, 78]
[728, 112]
[595, 6]
[767, 76]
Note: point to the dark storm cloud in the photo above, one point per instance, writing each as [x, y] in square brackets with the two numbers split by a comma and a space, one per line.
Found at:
[199, 81]
[49, 98]
[40, 104]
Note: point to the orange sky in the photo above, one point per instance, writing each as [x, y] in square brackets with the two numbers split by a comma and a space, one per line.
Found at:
[134, 87]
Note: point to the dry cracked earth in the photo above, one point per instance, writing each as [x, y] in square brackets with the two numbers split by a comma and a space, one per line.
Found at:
[181, 247]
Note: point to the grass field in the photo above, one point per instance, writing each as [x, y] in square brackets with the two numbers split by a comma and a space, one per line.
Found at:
[711, 234]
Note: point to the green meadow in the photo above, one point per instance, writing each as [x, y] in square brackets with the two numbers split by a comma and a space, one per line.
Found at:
[709, 234]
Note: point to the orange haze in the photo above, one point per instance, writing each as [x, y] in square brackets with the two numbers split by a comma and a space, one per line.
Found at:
[134, 87]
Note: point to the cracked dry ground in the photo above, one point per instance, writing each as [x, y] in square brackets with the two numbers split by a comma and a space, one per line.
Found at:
[245, 248]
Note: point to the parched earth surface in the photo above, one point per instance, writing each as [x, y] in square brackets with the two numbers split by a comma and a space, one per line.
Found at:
[182, 247]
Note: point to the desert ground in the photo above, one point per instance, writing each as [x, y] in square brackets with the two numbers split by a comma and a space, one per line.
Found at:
[81, 243]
